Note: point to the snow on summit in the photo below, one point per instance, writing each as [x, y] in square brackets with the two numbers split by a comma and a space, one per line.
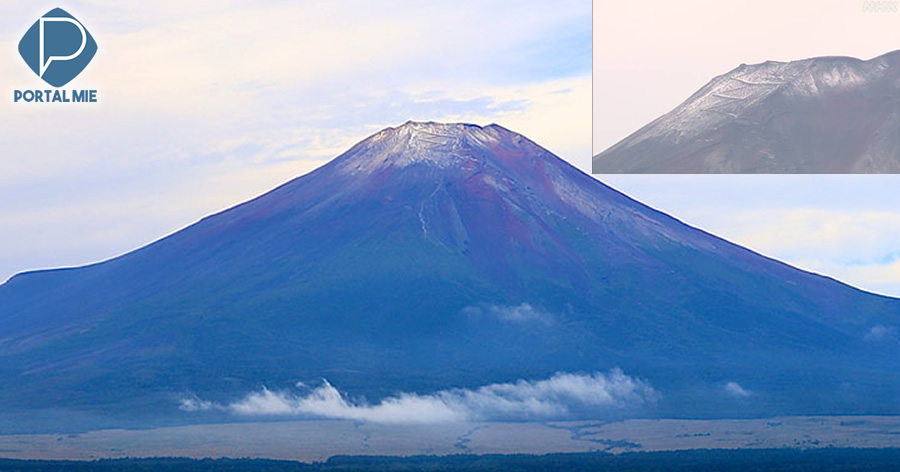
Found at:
[825, 114]
[438, 144]
[727, 95]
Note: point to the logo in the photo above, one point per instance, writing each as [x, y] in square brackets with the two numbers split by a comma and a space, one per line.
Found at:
[57, 47]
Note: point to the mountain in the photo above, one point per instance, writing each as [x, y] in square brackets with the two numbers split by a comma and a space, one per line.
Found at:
[821, 115]
[432, 257]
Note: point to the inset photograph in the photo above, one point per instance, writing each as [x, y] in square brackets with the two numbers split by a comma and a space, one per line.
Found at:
[764, 88]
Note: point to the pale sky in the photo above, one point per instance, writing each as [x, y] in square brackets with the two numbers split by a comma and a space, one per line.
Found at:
[205, 104]
[651, 56]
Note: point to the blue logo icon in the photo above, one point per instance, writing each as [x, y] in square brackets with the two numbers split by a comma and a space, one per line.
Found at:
[57, 47]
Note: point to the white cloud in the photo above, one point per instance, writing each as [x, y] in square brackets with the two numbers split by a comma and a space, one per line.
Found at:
[822, 232]
[851, 231]
[194, 403]
[100, 224]
[206, 93]
[880, 333]
[523, 313]
[857, 247]
[734, 389]
[557, 116]
[550, 398]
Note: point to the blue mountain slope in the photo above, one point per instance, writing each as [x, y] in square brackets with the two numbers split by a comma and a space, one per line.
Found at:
[381, 271]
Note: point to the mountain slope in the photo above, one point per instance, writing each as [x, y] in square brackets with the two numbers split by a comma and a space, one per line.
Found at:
[434, 256]
[820, 115]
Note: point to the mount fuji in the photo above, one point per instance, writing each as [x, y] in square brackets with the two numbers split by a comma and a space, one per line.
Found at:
[431, 257]
[822, 115]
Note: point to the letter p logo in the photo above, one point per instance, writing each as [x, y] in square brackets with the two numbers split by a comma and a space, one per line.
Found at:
[57, 47]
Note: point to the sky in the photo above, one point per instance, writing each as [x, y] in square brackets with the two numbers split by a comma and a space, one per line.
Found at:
[651, 56]
[205, 104]
[648, 57]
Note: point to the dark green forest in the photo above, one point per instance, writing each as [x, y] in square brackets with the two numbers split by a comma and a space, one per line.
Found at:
[768, 460]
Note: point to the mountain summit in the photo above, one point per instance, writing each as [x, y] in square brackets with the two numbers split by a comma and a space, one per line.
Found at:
[431, 257]
[821, 115]
[439, 144]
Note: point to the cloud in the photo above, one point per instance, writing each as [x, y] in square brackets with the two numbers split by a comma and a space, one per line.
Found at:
[880, 333]
[524, 313]
[734, 389]
[524, 399]
[194, 403]
[31, 240]
[176, 116]
[852, 233]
